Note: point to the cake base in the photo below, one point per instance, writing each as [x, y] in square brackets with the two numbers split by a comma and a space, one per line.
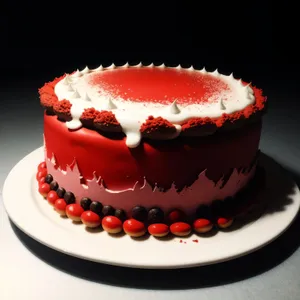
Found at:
[275, 209]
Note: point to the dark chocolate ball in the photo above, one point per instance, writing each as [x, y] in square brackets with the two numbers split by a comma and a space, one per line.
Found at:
[53, 186]
[108, 210]
[48, 178]
[85, 203]
[155, 215]
[120, 214]
[69, 197]
[203, 212]
[60, 192]
[139, 213]
[96, 207]
[217, 207]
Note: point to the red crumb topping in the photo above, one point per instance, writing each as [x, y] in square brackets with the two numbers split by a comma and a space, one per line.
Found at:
[195, 241]
[106, 118]
[196, 122]
[154, 124]
[89, 114]
[63, 107]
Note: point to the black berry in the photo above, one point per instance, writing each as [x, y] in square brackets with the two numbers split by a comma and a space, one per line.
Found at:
[60, 192]
[120, 213]
[96, 207]
[203, 212]
[48, 178]
[108, 210]
[85, 203]
[69, 197]
[155, 215]
[139, 213]
[53, 186]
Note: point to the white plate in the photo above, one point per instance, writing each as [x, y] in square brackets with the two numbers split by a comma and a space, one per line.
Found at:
[34, 216]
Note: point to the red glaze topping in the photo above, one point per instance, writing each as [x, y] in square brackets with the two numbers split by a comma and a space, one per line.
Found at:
[44, 188]
[180, 227]
[74, 210]
[157, 229]
[223, 221]
[157, 125]
[111, 222]
[42, 165]
[52, 197]
[134, 226]
[41, 173]
[60, 204]
[163, 85]
[176, 215]
[200, 223]
[90, 217]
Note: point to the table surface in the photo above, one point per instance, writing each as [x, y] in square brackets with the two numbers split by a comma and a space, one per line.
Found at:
[33, 271]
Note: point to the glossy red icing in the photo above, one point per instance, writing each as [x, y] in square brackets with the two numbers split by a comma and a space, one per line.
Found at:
[170, 84]
[162, 162]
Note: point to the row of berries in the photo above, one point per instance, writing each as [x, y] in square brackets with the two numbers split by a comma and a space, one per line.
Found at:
[93, 214]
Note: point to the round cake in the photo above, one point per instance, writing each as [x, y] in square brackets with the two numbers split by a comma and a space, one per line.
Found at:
[150, 144]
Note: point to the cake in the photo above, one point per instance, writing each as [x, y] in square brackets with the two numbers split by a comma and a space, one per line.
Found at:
[150, 148]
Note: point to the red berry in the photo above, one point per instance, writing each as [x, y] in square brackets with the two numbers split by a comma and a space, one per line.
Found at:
[134, 227]
[42, 165]
[44, 189]
[180, 228]
[74, 212]
[158, 229]
[176, 215]
[41, 173]
[202, 225]
[60, 206]
[90, 219]
[224, 222]
[52, 197]
[41, 180]
[112, 224]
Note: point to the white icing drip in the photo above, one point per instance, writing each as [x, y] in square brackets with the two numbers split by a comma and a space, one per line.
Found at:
[131, 115]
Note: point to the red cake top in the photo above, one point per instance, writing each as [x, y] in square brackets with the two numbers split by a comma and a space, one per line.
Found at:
[153, 102]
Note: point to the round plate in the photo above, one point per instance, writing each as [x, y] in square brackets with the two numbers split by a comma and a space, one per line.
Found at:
[278, 206]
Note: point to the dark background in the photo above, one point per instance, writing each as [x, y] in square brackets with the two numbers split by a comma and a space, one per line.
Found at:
[45, 39]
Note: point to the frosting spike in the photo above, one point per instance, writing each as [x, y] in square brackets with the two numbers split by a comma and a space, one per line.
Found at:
[100, 68]
[231, 76]
[110, 104]
[191, 68]
[174, 109]
[216, 72]
[85, 70]
[139, 65]
[178, 67]
[76, 74]
[151, 65]
[87, 97]
[222, 106]
[162, 65]
[70, 88]
[112, 66]
[203, 70]
[75, 95]
[126, 65]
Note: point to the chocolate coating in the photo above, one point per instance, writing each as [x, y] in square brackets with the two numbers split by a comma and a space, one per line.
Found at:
[85, 203]
[60, 192]
[69, 197]
[96, 207]
[155, 215]
[48, 178]
[120, 214]
[108, 210]
[139, 213]
[53, 186]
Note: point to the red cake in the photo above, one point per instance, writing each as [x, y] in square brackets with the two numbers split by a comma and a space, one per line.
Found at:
[150, 148]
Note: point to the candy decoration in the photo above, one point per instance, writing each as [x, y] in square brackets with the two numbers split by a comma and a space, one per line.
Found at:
[202, 225]
[96, 207]
[180, 228]
[134, 228]
[60, 192]
[53, 186]
[155, 215]
[85, 203]
[158, 229]
[41, 166]
[120, 213]
[52, 197]
[90, 219]
[224, 222]
[60, 206]
[139, 213]
[176, 215]
[69, 197]
[74, 212]
[44, 189]
[48, 178]
[40, 174]
[112, 224]
[108, 210]
[41, 181]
